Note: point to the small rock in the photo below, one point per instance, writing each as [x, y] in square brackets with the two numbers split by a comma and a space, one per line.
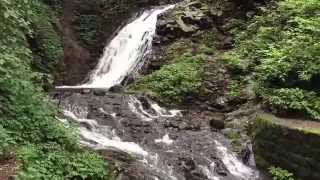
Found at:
[217, 124]
[183, 126]
[86, 91]
[100, 92]
[115, 89]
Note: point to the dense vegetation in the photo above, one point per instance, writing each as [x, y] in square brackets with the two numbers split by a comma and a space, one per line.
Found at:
[280, 174]
[281, 46]
[28, 127]
[176, 82]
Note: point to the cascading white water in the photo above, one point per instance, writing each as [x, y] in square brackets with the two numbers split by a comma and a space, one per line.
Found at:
[136, 106]
[125, 53]
[97, 136]
[123, 56]
[236, 167]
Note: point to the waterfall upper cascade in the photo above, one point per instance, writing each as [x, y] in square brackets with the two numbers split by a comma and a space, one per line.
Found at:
[158, 139]
[125, 53]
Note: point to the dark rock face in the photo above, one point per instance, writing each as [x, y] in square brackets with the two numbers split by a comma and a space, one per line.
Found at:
[278, 144]
[186, 19]
[217, 121]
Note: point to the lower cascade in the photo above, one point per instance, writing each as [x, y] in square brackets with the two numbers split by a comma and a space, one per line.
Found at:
[161, 144]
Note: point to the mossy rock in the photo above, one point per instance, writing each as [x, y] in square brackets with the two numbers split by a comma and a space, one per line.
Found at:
[289, 144]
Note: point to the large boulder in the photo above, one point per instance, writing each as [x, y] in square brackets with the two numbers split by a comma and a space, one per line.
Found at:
[290, 144]
[185, 19]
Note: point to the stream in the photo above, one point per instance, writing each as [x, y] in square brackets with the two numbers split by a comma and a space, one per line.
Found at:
[148, 141]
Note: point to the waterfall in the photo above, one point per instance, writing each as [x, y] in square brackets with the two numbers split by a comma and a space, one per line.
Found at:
[125, 53]
[123, 56]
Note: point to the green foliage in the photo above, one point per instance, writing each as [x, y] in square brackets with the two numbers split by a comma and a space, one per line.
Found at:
[87, 27]
[175, 82]
[116, 6]
[235, 139]
[233, 62]
[5, 143]
[280, 174]
[207, 50]
[40, 164]
[45, 43]
[234, 89]
[294, 99]
[283, 46]
[209, 38]
[56, 5]
[26, 115]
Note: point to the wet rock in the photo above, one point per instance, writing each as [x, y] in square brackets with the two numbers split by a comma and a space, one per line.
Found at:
[193, 145]
[221, 169]
[246, 154]
[294, 146]
[217, 123]
[145, 103]
[127, 80]
[227, 43]
[116, 89]
[86, 91]
[183, 126]
[187, 19]
[217, 120]
[100, 92]
[188, 164]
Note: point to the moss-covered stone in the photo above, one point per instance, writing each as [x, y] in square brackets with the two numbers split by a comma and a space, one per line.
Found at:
[292, 147]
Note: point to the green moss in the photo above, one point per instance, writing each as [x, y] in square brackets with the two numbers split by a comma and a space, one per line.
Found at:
[292, 148]
[235, 139]
[178, 48]
[207, 50]
[234, 62]
[312, 130]
[175, 82]
[234, 89]
[209, 38]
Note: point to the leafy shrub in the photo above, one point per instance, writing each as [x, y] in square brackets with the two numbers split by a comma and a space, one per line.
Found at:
[57, 164]
[26, 115]
[283, 46]
[234, 89]
[87, 26]
[294, 99]
[5, 143]
[45, 43]
[280, 174]
[175, 82]
[234, 62]
[57, 5]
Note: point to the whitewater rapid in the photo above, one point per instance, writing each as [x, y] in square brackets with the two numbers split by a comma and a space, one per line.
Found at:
[122, 57]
